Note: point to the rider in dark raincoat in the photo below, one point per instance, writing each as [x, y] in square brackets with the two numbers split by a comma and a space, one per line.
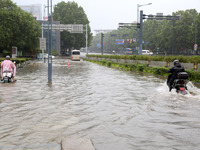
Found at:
[174, 72]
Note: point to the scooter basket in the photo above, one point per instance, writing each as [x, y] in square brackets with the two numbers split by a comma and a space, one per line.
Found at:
[182, 75]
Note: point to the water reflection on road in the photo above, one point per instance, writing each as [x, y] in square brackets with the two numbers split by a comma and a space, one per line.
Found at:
[117, 110]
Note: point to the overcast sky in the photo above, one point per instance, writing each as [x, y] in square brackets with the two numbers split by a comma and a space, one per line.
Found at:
[106, 14]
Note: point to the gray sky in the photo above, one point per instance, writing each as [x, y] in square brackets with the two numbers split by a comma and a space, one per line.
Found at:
[106, 14]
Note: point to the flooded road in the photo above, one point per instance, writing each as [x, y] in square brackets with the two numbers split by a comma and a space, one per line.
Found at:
[117, 110]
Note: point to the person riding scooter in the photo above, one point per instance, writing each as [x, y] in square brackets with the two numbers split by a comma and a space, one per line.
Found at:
[8, 65]
[174, 72]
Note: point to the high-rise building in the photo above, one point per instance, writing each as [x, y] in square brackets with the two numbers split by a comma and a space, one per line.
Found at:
[55, 36]
[35, 9]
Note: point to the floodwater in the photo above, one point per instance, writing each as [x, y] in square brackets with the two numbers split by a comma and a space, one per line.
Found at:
[117, 110]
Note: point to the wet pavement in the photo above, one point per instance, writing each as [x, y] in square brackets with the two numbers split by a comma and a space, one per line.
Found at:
[117, 110]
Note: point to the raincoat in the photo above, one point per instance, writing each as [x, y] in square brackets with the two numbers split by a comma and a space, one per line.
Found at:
[174, 72]
[8, 65]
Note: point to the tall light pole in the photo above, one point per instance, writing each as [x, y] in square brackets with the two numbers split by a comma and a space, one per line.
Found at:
[86, 38]
[195, 33]
[49, 4]
[138, 6]
[138, 21]
[196, 38]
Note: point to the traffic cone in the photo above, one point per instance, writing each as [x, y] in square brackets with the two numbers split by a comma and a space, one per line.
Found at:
[68, 63]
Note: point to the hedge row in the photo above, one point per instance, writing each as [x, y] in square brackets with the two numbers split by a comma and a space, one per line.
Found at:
[183, 59]
[16, 60]
[193, 75]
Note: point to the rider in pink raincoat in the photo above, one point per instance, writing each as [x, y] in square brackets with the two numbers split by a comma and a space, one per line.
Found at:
[8, 65]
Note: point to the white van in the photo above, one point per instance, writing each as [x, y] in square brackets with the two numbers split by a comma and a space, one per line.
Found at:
[75, 55]
[147, 52]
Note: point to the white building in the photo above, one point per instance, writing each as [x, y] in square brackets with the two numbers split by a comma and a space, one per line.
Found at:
[35, 9]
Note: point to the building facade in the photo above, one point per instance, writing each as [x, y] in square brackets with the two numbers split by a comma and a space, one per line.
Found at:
[36, 10]
[55, 36]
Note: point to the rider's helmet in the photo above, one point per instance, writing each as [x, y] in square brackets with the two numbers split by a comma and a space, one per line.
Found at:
[8, 57]
[175, 62]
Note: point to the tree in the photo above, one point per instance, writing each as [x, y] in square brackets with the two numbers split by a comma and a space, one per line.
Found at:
[71, 13]
[110, 41]
[17, 28]
[184, 29]
[163, 36]
[182, 33]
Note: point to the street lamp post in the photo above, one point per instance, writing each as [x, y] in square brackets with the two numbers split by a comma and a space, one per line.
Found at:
[195, 33]
[49, 4]
[138, 21]
[138, 10]
[86, 38]
[141, 28]
[196, 37]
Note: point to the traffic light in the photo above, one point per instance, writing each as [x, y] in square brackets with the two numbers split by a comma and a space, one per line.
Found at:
[49, 18]
[144, 16]
[138, 25]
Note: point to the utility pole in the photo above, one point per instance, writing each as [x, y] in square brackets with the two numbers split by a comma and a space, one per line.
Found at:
[173, 23]
[50, 18]
[102, 35]
[43, 33]
[86, 37]
[141, 26]
[195, 33]
[196, 38]
[158, 17]
[138, 16]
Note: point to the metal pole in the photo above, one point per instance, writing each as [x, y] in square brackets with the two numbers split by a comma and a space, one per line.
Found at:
[86, 37]
[42, 38]
[138, 34]
[141, 26]
[101, 43]
[138, 10]
[195, 33]
[138, 13]
[140, 21]
[43, 33]
[173, 21]
[50, 46]
[48, 33]
[196, 37]
[50, 80]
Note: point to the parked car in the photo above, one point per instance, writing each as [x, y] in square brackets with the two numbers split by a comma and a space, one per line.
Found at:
[147, 52]
[46, 56]
[67, 53]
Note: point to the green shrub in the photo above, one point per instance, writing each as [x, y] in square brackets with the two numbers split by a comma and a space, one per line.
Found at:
[109, 63]
[194, 75]
[55, 52]
[194, 59]
[17, 60]
[184, 59]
